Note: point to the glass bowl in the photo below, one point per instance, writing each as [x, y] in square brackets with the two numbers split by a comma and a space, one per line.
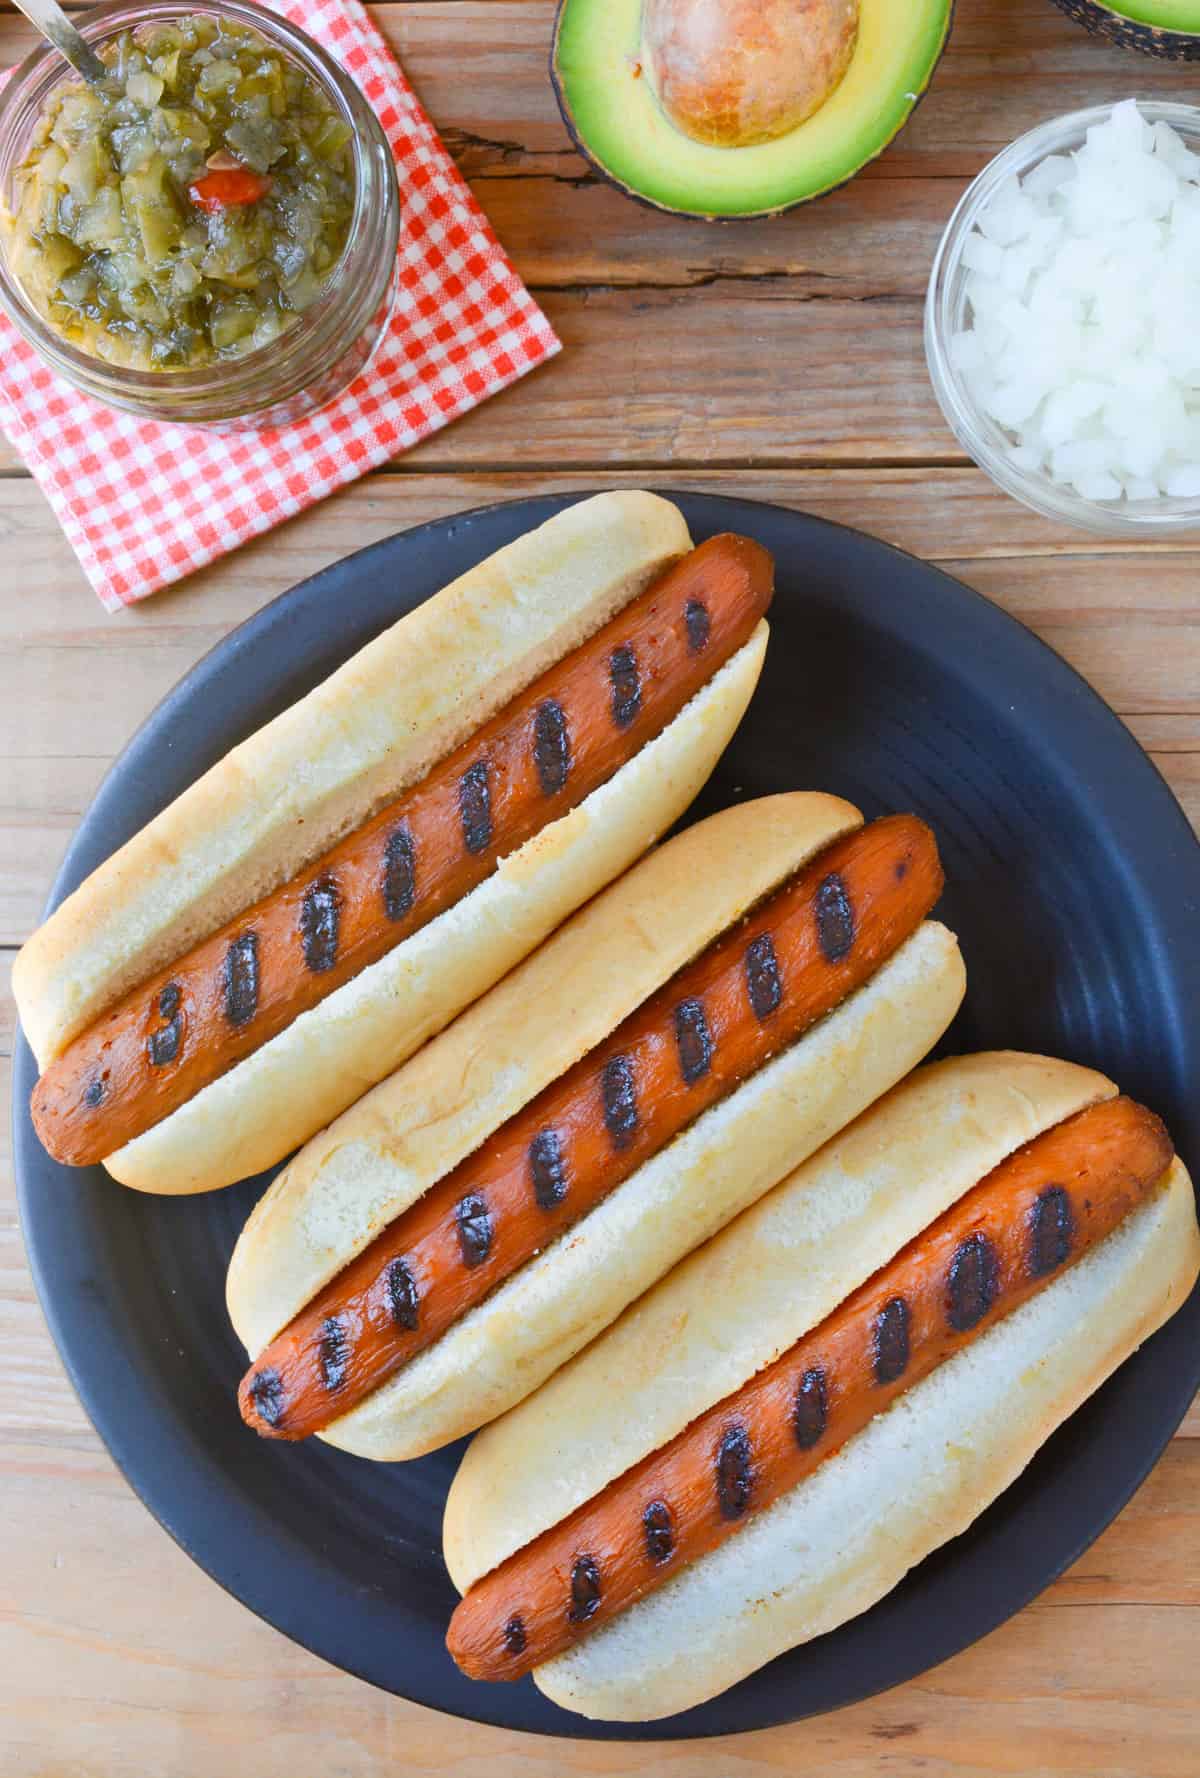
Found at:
[945, 310]
[312, 361]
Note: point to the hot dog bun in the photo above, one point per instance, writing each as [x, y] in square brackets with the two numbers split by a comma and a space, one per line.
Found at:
[745, 1297]
[828, 1548]
[369, 730]
[293, 1086]
[917, 1476]
[442, 1106]
[320, 769]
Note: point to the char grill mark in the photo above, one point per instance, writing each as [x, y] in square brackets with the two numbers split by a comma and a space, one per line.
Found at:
[241, 979]
[1051, 1230]
[474, 1229]
[547, 1170]
[626, 683]
[94, 1094]
[320, 924]
[763, 983]
[659, 1532]
[163, 1045]
[890, 1339]
[266, 1392]
[693, 1041]
[514, 1634]
[835, 919]
[620, 1101]
[334, 1352]
[980, 1258]
[972, 1284]
[810, 1410]
[585, 1589]
[734, 1471]
[475, 807]
[402, 1295]
[548, 1165]
[698, 624]
[399, 873]
[551, 746]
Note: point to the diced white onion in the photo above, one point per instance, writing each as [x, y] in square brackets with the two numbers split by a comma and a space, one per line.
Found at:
[1082, 283]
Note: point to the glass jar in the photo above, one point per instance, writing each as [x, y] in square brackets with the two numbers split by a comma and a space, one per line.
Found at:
[330, 342]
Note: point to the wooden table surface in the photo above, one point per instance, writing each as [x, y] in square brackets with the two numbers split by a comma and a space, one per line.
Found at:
[780, 360]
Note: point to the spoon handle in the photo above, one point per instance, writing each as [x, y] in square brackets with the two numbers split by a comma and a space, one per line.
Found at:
[54, 24]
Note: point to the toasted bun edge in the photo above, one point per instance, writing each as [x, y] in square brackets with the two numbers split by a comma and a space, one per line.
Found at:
[736, 1304]
[383, 1154]
[549, 1310]
[373, 727]
[914, 1478]
[307, 1076]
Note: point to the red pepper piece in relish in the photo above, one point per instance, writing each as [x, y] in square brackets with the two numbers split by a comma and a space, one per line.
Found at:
[226, 188]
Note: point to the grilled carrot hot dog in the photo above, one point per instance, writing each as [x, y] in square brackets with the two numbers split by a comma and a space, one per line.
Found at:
[751, 994]
[560, 739]
[1035, 1214]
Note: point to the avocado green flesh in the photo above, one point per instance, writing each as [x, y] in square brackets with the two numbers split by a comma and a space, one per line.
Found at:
[1167, 15]
[613, 111]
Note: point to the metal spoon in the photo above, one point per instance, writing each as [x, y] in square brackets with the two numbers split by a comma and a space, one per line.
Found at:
[54, 24]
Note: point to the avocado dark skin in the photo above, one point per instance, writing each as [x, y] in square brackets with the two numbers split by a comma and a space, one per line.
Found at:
[1170, 46]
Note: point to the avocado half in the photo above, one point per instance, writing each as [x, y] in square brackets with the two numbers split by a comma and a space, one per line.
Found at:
[1167, 28]
[614, 117]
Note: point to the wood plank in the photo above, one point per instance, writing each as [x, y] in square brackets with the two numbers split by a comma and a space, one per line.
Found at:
[1010, 64]
[1170, 733]
[631, 389]
[785, 286]
[493, 103]
[943, 514]
[160, 1671]
[1182, 772]
[200, 1687]
[947, 514]
[1156, 1557]
[651, 345]
[877, 237]
[571, 228]
[74, 682]
[1080, 607]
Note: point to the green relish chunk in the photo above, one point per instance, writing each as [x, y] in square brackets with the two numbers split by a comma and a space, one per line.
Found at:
[189, 208]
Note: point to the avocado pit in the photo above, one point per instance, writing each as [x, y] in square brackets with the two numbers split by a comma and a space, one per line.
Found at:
[734, 73]
[724, 108]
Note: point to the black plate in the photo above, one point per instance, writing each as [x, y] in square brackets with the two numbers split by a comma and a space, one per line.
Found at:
[1075, 889]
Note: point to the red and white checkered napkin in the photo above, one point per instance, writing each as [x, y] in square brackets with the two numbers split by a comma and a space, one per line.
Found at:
[144, 503]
